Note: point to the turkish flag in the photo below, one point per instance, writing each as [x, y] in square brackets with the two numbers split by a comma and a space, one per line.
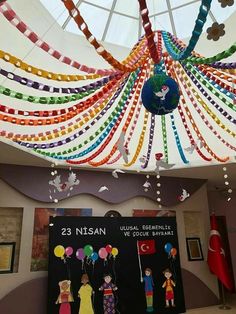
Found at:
[216, 257]
[146, 247]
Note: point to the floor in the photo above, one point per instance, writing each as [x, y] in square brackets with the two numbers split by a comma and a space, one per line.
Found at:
[215, 309]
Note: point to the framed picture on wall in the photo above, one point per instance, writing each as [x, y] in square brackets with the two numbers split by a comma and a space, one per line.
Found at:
[194, 249]
[7, 251]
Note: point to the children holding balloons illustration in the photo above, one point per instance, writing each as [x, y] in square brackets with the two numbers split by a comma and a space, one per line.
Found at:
[107, 253]
[87, 256]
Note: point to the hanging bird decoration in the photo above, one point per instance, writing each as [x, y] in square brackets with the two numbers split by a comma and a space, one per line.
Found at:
[67, 185]
[184, 195]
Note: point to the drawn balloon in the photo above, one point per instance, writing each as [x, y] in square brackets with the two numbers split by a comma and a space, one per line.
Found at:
[88, 250]
[102, 253]
[59, 251]
[168, 247]
[114, 252]
[69, 251]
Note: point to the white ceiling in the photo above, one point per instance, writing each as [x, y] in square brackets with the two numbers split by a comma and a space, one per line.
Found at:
[118, 21]
[102, 29]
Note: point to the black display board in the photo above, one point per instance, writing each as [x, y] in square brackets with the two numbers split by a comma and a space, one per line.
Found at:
[131, 244]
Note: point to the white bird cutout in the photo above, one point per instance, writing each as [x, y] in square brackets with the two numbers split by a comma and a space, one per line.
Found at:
[103, 188]
[162, 164]
[69, 184]
[184, 195]
[191, 148]
[164, 90]
[121, 147]
[115, 173]
[147, 184]
[143, 159]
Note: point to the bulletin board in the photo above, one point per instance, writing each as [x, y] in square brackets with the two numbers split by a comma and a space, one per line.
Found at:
[123, 248]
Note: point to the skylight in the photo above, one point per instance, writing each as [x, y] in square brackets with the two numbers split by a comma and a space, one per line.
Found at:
[118, 21]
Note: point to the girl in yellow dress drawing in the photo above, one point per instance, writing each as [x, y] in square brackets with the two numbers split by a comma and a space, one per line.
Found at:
[85, 292]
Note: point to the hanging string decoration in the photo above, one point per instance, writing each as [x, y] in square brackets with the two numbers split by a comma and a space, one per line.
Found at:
[176, 102]
[227, 184]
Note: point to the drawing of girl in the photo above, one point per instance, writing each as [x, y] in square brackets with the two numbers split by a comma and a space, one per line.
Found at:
[65, 297]
[85, 292]
[108, 297]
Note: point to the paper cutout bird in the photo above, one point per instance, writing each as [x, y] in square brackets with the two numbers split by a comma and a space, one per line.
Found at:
[121, 147]
[183, 196]
[162, 94]
[143, 159]
[162, 164]
[191, 148]
[115, 173]
[69, 184]
[147, 184]
[103, 188]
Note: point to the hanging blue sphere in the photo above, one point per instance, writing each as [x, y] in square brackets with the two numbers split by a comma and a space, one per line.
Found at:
[160, 94]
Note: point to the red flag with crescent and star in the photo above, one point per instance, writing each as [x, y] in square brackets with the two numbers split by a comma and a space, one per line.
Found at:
[216, 257]
[146, 247]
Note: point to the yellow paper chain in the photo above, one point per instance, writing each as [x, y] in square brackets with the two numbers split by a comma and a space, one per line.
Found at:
[141, 140]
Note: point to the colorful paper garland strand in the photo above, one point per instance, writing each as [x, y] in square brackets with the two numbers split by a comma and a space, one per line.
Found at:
[98, 111]
[135, 103]
[107, 124]
[51, 89]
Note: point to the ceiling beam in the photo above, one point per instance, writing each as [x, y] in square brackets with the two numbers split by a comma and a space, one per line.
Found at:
[69, 17]
[109, 20]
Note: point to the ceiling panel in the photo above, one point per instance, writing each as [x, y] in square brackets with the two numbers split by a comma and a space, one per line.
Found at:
[221, 14]
[177, 3]
[162, 22]
[103, 3]
[155, 7]
[95, 18]
[122, 31]
[128, 7]
[184, 21]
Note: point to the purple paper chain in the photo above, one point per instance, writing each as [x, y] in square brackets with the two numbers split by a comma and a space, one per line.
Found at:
[209, 98]
[79, 133]
[47, 88]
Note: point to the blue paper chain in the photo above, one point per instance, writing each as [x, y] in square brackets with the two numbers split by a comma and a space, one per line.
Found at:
[177, 139]
[198, 28]
[107, 130]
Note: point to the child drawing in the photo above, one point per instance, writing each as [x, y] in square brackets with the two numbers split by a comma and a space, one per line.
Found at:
[85, 292]
[148, 286]
[65, 297]
[168, 285]
[108, 297]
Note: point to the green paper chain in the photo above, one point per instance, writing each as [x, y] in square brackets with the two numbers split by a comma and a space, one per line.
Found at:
[203, 60]
[210, 87]
[115, 113]
[222, 55]
[164, 137]
[45, 100]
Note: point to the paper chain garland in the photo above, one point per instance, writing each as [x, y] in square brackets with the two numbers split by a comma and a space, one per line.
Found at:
[115, 98]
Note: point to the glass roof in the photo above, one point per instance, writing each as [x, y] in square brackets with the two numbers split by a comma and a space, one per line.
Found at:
[118, 21]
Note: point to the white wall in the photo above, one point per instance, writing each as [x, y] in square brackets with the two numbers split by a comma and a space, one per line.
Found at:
[12, 198]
